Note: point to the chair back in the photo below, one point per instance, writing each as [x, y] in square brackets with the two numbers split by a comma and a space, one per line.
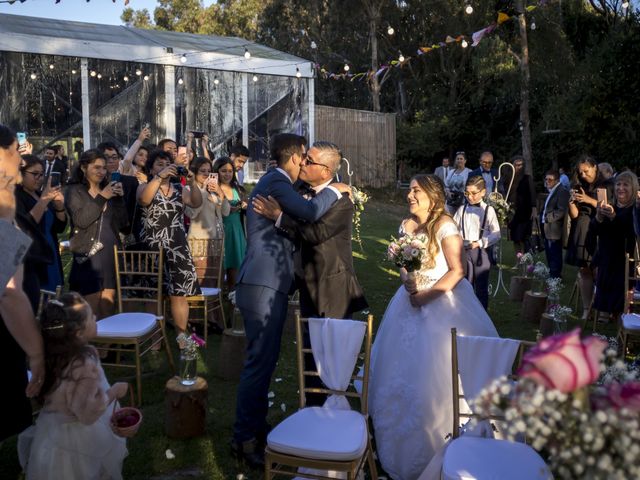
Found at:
[358, 384]
[45, 296]
[475, 363]
[208, 258]
[139, 278]
[631, 280]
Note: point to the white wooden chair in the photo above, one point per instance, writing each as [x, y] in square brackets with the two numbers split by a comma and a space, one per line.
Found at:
[333, 437]
[138, 281]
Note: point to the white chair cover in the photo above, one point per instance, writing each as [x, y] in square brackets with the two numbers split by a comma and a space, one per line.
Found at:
[336, 344]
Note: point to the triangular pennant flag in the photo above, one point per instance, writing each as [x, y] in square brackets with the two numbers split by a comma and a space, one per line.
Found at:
[423, 50]
[478, 36]
[502, 17]
[459, 38]
[380, 70]
[531, 8]
[449, 39]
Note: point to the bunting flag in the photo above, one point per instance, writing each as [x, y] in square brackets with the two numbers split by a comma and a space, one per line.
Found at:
[503, 17]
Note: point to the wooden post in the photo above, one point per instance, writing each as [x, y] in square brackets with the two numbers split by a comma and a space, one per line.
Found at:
[185, 408]
[518, 286]
[232, 352]
[533, 306]
[546, 325]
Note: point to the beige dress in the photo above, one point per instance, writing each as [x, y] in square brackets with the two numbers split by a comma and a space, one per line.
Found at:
[206, 220]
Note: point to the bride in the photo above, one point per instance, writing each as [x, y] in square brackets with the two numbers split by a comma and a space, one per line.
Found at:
[410, 393]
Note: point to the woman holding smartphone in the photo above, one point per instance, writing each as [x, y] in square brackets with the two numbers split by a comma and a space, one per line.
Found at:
[582, 208]
[207, 220]
[235, 243]
[98, 213]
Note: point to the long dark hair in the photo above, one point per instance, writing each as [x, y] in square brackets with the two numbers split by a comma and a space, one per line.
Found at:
[7, 137]
[589, 160]
[87, 158]
[221, 162]
[61, 321]
[29, 161]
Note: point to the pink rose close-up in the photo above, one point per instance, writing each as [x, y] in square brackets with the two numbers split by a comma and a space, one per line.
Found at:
[564, 362]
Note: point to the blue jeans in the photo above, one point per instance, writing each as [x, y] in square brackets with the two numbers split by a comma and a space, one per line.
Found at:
[553, 251]
[264, 311]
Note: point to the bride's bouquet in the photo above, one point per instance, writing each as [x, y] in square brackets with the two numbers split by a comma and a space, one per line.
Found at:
[408, 251]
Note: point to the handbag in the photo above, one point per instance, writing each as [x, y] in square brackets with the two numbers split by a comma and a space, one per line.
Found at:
[96, 246]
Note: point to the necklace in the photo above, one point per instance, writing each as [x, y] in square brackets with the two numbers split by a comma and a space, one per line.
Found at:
[165, 193]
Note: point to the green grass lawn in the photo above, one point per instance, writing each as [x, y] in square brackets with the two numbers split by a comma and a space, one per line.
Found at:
[208, 456]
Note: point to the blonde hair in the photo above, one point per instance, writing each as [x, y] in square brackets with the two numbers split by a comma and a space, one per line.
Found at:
[434, 188]
[630, 177]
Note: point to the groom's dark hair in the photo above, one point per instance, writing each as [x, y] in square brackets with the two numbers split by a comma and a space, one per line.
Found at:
[284, 145]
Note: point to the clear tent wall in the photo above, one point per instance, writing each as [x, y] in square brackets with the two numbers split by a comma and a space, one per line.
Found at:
[43, 97]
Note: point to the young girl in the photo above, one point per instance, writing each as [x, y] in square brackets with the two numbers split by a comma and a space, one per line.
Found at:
[72, 437]
[480, 229]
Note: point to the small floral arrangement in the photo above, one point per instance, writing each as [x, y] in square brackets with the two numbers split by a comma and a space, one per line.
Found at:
[408, 251]
[554, 286]
[525, 262]
[501, 207]
[541, 271]
[359, 199]
[583, 430]
[189, 344]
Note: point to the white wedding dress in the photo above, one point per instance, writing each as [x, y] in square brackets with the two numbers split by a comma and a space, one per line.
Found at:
[410, 397]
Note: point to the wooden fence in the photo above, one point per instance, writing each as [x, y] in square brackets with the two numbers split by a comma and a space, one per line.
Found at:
[367, 140]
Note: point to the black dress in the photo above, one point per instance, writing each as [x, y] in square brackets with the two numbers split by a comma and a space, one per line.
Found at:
[582, 244]
[615, 238]
[523, 199]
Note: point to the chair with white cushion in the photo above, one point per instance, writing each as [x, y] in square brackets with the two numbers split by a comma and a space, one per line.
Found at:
[138, 281]
[208, 258]
[629, 323]
[317, 442]
[476, 362]
[45, 296]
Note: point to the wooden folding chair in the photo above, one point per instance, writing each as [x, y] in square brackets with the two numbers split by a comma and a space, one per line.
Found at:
[45, 296]
[138, 280]
[208, 258]
[629, 322]
[284, 455]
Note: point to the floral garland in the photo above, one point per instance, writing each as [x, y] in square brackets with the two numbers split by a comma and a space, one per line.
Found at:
[359, 198]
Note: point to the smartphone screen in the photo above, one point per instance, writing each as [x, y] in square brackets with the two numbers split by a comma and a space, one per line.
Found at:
[601, 195]
[22, 138]
[55, 179]
[213, 177]
[115, 176]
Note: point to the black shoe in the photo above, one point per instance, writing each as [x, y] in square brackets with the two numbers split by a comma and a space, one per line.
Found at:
[261, 437]
[249, 452]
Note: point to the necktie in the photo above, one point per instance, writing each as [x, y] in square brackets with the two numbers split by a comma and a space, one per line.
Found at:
[49, 168]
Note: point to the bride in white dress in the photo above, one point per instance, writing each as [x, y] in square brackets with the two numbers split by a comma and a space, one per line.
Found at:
[410, 395]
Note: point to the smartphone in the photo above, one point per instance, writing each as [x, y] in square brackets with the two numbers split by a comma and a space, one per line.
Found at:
[601, 194]
[22, 138]
[55, 179]
[213, 177]
[115, 176]
[146, 125]
[197, 134]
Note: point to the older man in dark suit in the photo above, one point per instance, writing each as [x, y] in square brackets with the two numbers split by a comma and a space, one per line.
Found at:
[555, 210]
[486, 171]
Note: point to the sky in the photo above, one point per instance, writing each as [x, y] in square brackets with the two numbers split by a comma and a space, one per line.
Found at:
[96, 11]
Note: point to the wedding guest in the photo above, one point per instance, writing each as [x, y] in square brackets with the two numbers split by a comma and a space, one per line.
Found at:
[239, 155]
[54, 165]
[523, 199]
[410, 388]
[20, 338]
[235, 243]
[480, 229]
[564, 179]
[42, 216]
[163, 203]
[170, 146]
[442, 172]
[552, 219]
[613, 226]
[456, 182]
[486, 171]
[605, 170]
[136, 157]
[72, 437]
[207, 220]
[582, 208]
[97, 211]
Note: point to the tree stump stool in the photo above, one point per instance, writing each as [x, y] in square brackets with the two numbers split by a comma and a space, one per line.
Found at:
[290, 321]
[185, 408]
[518, 286]
[546, 325]
[232, 352]
[533, 306]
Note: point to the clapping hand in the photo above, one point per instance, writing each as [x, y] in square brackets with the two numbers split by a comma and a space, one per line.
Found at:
[267, 207]
[604, 210]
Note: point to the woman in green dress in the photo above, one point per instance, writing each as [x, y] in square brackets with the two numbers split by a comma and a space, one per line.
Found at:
[235, 243]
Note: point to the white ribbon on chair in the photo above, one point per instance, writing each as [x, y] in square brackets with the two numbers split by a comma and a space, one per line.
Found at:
[336, 344]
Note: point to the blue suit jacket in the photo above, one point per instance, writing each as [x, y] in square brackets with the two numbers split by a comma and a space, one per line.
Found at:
[268, 261]
[494, 174]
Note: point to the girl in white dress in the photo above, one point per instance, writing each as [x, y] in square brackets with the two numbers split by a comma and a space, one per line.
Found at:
[72, 438]
[410, 394]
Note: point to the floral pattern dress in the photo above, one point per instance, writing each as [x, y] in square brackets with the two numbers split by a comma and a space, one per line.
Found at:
[163, 222]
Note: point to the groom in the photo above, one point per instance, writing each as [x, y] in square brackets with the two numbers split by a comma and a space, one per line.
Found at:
[264, 282]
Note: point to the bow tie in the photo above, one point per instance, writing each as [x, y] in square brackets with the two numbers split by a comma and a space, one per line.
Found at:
[473, 204]
[307, 190]
[486, 171]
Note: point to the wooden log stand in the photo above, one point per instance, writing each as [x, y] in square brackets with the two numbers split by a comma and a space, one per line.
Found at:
[518, 286]
[546, 325]
[185, 408]
[533, 306]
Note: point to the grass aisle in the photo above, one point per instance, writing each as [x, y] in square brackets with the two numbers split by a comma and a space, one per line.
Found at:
[208, 457]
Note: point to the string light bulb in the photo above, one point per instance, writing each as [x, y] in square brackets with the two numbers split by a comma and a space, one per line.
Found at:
[33, 76]
[247, 54]
[313, 45]
[390, 30]
[126, 78]
[401, 58]
[180, 81]
[138, 72]
[625, 4]
[216, 81]
[255, 78]
[52, 66]
[468, 9]
[93, 73]
[73, 72]
[145, 78]
[99, 76]
[183, 58]
[464, 43]
[346, 67]
[298, 74]
[533, 24]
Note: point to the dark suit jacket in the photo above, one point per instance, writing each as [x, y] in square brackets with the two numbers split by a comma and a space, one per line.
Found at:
[59, 167]
[327, 279]
[554, 215]
[494, 174]
[129, 189]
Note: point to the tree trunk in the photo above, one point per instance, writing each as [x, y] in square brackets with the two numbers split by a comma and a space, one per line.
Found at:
[185, 408]
[374, 85]
[525, 78]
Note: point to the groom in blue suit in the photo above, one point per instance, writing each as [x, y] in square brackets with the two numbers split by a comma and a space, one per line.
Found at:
[264, 281]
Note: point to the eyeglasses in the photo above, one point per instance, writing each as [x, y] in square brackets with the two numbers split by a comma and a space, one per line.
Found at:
[35, 174]
[309, 161]
[472, 194]
[550, 179]
[112, 157]
[460, 153]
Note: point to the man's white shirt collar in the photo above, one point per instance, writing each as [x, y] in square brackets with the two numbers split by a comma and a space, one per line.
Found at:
[284, 173]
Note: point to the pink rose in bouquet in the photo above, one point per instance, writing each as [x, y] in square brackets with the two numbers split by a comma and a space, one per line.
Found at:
[564, 362]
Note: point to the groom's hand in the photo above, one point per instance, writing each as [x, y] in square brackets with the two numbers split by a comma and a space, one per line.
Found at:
[267, 207]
